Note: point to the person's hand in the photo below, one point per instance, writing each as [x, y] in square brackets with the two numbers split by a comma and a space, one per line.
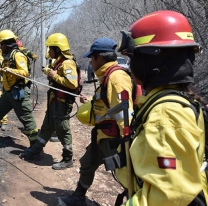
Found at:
[83, 98]
[45, 70]
[51, 73]
[34, 56]
[5, 69]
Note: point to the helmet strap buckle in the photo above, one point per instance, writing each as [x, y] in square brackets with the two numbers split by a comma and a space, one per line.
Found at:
[156, 71]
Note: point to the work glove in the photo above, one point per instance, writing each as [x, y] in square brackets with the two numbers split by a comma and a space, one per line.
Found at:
[46, 70]
[5, 69]
[34, 56]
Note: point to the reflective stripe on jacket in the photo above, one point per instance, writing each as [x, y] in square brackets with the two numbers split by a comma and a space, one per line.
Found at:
[66, 74]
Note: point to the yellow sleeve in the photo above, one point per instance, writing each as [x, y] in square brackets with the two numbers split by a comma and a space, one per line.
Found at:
[119, 81]
[165, 155]
[67, 75]
[21, 64]
[1, 57]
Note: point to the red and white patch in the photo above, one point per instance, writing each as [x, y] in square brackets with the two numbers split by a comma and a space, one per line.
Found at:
[166, 162]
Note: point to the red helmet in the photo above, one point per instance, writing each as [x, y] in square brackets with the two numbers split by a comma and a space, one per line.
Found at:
[19, 43]
[163, 29]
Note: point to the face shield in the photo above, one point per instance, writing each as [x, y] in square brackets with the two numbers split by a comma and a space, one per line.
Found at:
[127, 44]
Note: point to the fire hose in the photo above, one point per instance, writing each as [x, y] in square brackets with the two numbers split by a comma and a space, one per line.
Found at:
[34, 85]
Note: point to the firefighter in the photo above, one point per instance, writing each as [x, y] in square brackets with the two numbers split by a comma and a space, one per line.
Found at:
[16, 91]
[62, 76]
[104, 140]
[4, 121]
[168, 144]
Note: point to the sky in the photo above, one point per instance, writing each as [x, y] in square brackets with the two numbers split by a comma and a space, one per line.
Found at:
[64, 15]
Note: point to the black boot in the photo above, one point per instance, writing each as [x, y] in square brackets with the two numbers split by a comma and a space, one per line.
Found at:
[29, 155]
[54, 139]
[76, 199]
[65, 163]
[32, 152]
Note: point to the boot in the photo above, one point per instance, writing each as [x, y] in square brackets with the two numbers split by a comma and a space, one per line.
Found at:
[76, 199]
[54, 139]
[32, 152]
[65, 163]
[29, 155]
[30, 147]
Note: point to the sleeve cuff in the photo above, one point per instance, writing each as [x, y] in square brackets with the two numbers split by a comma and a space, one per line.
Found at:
[55, 77]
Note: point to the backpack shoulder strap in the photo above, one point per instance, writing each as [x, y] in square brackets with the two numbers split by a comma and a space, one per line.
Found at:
[109, 71]
[103, 86]
[12, 62]
[139, 118]
[58, 65]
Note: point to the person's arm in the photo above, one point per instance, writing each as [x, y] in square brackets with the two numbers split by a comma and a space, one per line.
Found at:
[70, 76]
[164, 155]
[21, 65]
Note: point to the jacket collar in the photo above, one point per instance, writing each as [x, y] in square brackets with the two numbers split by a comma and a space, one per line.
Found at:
[142, 99]
[58, 59]
[101, 71]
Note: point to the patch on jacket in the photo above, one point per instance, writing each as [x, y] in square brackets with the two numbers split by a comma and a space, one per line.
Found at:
[167, 162]
[22, 64]
[68, 71]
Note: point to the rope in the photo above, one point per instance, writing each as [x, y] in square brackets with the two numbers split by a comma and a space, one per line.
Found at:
[22, 172]
[76, 95]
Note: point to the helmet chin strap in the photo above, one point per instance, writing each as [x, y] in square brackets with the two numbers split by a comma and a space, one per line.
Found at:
[165, 67]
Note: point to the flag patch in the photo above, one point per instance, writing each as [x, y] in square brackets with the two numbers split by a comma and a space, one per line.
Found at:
[68, 71]
[167, 162]
[22, 64]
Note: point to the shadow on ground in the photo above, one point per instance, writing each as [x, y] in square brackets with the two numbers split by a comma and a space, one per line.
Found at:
[51, 198]
[11, 147]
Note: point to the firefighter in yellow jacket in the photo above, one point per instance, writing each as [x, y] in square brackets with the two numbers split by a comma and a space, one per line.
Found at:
[62, 76]
[16, 90]
[168, 146]
[104, 141]
[4, 120]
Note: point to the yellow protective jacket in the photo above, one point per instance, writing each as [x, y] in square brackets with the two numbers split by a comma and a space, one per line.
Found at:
[171, 135]
[20, 68]
[1, 58]
[1, 61]
[66, 74]
[118, 81]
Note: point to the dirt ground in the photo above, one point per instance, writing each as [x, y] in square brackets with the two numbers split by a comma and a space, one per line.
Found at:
[35, 183]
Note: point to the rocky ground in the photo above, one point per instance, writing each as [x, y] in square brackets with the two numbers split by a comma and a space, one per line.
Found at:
[35, 183]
